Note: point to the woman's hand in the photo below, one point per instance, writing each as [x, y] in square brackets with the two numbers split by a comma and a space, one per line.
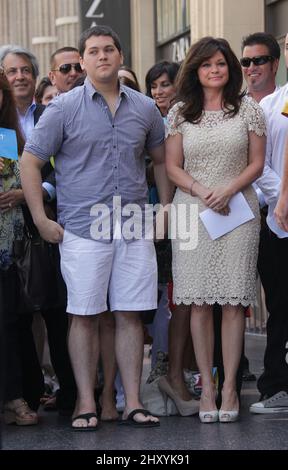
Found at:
[10, 199]
[205, 195]
[219, 199]
[202, 192]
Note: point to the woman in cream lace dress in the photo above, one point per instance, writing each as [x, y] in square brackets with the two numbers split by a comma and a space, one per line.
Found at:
[215, 149]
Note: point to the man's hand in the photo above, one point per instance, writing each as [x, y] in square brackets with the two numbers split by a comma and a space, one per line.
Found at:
[161, 224]
[51, 231]
[10, 199]
[281, 212]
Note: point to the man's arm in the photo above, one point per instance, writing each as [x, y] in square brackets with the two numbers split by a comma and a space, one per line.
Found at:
[269, 182]
[31, 180]
[281, 209]
[164, 187]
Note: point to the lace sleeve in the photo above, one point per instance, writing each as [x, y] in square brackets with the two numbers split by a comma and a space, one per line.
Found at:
[174, 121]
[255, 117]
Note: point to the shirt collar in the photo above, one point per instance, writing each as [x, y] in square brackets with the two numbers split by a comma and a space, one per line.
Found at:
[92, 91]
[29, 110]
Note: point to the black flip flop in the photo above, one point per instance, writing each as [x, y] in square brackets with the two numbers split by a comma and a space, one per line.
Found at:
[130, 421]
[87, 417]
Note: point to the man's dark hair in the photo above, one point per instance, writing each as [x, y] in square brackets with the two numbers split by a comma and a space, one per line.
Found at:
[59, 51]
[264, 39]
[98, 31]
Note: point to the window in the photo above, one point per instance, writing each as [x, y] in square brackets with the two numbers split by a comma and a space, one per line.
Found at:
[281, 77]
[173, 17]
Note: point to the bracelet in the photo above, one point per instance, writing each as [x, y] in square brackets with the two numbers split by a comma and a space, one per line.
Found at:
[191, 187]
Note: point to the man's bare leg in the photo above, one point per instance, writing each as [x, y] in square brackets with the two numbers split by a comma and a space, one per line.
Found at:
[129, 343]
[83, 345]
[108, 357]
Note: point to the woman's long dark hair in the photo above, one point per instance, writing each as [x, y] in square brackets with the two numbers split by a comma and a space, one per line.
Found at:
[189, 88]
[171, 68]
[8, 111]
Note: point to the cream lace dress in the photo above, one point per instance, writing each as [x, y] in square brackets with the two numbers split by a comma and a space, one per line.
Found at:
[215, 151]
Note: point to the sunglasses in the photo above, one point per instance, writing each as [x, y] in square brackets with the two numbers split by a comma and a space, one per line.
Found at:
[258, 60]
[66, 68]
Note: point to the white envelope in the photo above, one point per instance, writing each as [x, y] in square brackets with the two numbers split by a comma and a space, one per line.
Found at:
[217, 225]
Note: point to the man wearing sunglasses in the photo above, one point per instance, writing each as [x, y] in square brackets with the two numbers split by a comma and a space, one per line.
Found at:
[65, 68]
[260, 60]
[273, 260]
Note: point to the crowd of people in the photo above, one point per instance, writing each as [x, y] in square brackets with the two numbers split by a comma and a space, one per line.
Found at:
[93, 151]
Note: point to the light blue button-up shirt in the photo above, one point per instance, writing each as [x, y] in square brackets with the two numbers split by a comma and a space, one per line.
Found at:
[27, 125]
[27, 120]
[97, 156]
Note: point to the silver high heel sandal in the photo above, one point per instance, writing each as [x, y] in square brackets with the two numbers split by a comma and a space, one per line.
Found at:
[209, 416]
[185, 408]
[228, 416]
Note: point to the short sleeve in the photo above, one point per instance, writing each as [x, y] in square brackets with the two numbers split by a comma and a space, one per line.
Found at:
[47, 136]
[156, 133]
[255, 117]
[174, 121]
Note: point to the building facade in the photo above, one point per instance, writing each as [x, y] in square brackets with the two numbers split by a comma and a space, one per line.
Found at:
[40, 25]
[155, 29]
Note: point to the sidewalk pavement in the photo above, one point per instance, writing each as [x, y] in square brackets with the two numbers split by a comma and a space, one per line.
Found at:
[261, 432]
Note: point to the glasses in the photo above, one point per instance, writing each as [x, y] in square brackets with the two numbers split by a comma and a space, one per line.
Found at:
[66, 68]
[258, 60]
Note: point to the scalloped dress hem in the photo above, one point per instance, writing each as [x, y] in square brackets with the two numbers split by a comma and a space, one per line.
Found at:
[201, 302]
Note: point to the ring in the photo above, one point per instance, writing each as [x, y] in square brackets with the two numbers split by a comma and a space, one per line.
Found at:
[10, 204]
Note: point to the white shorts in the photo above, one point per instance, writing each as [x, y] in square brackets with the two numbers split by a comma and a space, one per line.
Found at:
[125, 272]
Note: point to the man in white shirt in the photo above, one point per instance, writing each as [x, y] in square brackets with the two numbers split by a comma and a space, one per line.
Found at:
[281, 209]
[260, 61]
[273, 383]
